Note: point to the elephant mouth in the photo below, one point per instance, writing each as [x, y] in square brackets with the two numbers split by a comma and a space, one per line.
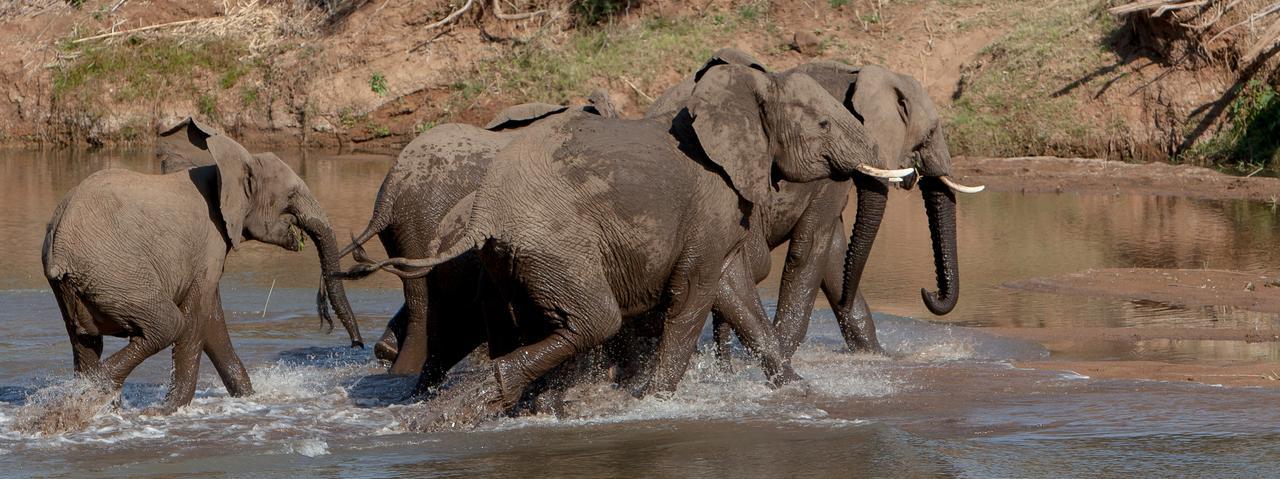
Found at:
[296, 240]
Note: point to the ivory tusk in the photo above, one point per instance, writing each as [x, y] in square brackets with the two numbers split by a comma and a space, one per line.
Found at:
[879, 173]
[895, 180]
[961, 188]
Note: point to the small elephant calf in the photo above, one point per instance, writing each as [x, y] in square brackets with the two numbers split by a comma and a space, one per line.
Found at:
[139, 256]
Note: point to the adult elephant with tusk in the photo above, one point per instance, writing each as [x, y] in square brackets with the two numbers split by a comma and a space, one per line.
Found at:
[585, 223]
[140, 256]
[901, 120]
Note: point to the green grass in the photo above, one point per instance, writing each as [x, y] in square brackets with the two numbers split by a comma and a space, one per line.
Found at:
[378, 83]
[555, 74]
[1248, 140]
[1016, 102]
[139, 69]
[838, 3]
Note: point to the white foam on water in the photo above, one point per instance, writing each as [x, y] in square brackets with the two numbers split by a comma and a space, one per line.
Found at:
[308, 447]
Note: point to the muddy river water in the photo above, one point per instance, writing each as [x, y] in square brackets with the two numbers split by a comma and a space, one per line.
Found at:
[947, 401]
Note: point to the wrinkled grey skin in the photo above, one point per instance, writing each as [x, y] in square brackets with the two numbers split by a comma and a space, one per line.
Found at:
[585, 223]
[139, 256]
[902, 121]
[441, 319]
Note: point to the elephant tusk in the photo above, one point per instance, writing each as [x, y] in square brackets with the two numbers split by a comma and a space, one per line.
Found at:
[895, 180]
[961, 188]
[879, 173]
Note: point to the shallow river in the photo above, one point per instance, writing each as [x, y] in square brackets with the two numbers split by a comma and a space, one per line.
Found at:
[946, 402]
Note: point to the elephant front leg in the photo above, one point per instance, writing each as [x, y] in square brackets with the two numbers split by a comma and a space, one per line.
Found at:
[856, 324]
[801, 276]
[217, 345]
[740, 304]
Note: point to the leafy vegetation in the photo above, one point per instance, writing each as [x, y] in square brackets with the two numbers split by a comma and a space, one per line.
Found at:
[1248, 141]
[593, 12]
[378, 83]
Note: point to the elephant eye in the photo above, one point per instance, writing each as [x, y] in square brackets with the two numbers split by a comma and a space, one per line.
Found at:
[824, 124]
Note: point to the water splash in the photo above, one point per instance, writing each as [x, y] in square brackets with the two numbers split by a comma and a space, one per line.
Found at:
[67, 406]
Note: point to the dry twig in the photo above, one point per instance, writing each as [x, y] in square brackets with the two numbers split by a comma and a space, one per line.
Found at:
[140, 29]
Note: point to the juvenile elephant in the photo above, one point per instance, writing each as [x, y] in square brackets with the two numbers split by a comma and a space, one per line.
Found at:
[585, 222]
[441, 319]
[139, 256]
[901, 120]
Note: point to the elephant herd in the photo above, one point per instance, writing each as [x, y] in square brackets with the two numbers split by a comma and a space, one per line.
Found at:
[548, 234]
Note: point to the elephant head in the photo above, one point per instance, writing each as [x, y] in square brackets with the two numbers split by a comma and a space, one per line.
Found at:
[752, 124]
[903, 122]
[260, 198]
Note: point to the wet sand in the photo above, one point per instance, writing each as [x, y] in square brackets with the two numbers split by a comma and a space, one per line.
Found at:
[1176, 287]
[1093, 176]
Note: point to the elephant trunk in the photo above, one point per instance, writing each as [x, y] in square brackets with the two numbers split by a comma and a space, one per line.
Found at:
[873, 194]
[940, 205]
[316, 225]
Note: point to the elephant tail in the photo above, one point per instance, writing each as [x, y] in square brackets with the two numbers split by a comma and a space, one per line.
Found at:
[55, 267]
[475, 221]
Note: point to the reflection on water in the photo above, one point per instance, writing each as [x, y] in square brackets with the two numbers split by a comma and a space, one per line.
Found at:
[946, 404]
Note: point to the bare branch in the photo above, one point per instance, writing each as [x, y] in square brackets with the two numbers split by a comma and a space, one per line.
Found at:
[497, 12]
[452, 16]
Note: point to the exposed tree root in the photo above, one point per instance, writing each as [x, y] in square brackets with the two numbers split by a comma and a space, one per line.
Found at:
[497, 12]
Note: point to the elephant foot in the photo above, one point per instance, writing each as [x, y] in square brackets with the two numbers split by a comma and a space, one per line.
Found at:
[510, 386]
[784, 376]
[386, 350]
[460, 407]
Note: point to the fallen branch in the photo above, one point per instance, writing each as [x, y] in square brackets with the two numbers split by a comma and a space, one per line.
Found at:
[497, 12]
[452, 16]
[1265, 44]
[1177, 6]
[1209, 23]
[1264, 12]
[637, 89]
[141, 29]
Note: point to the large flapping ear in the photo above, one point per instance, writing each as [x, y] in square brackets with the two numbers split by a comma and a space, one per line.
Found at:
[522, 115]
[728, 122]
[235, 184]
[184, 145]
[884, 110]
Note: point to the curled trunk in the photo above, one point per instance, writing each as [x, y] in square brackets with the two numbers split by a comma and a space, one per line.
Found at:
[332, 291]
[940, 205]
[873, 194]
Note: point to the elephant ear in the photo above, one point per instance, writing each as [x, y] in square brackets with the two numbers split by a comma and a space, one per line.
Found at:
[522, 115]
[235, 184]
[835, 77]
[725, 108]
[185, 145]
[729, 56]
[879, 101]
[676, 98]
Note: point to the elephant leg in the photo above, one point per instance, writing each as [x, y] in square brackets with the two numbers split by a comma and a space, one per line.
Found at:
[856, 324]
[86, 349]
[576, 304]
[217, 345]
[388, 347]
[413, 351]
[802, 275]
[186, 369]
[722, 333]
[678, 343]
[740, 304]
[163, 321]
